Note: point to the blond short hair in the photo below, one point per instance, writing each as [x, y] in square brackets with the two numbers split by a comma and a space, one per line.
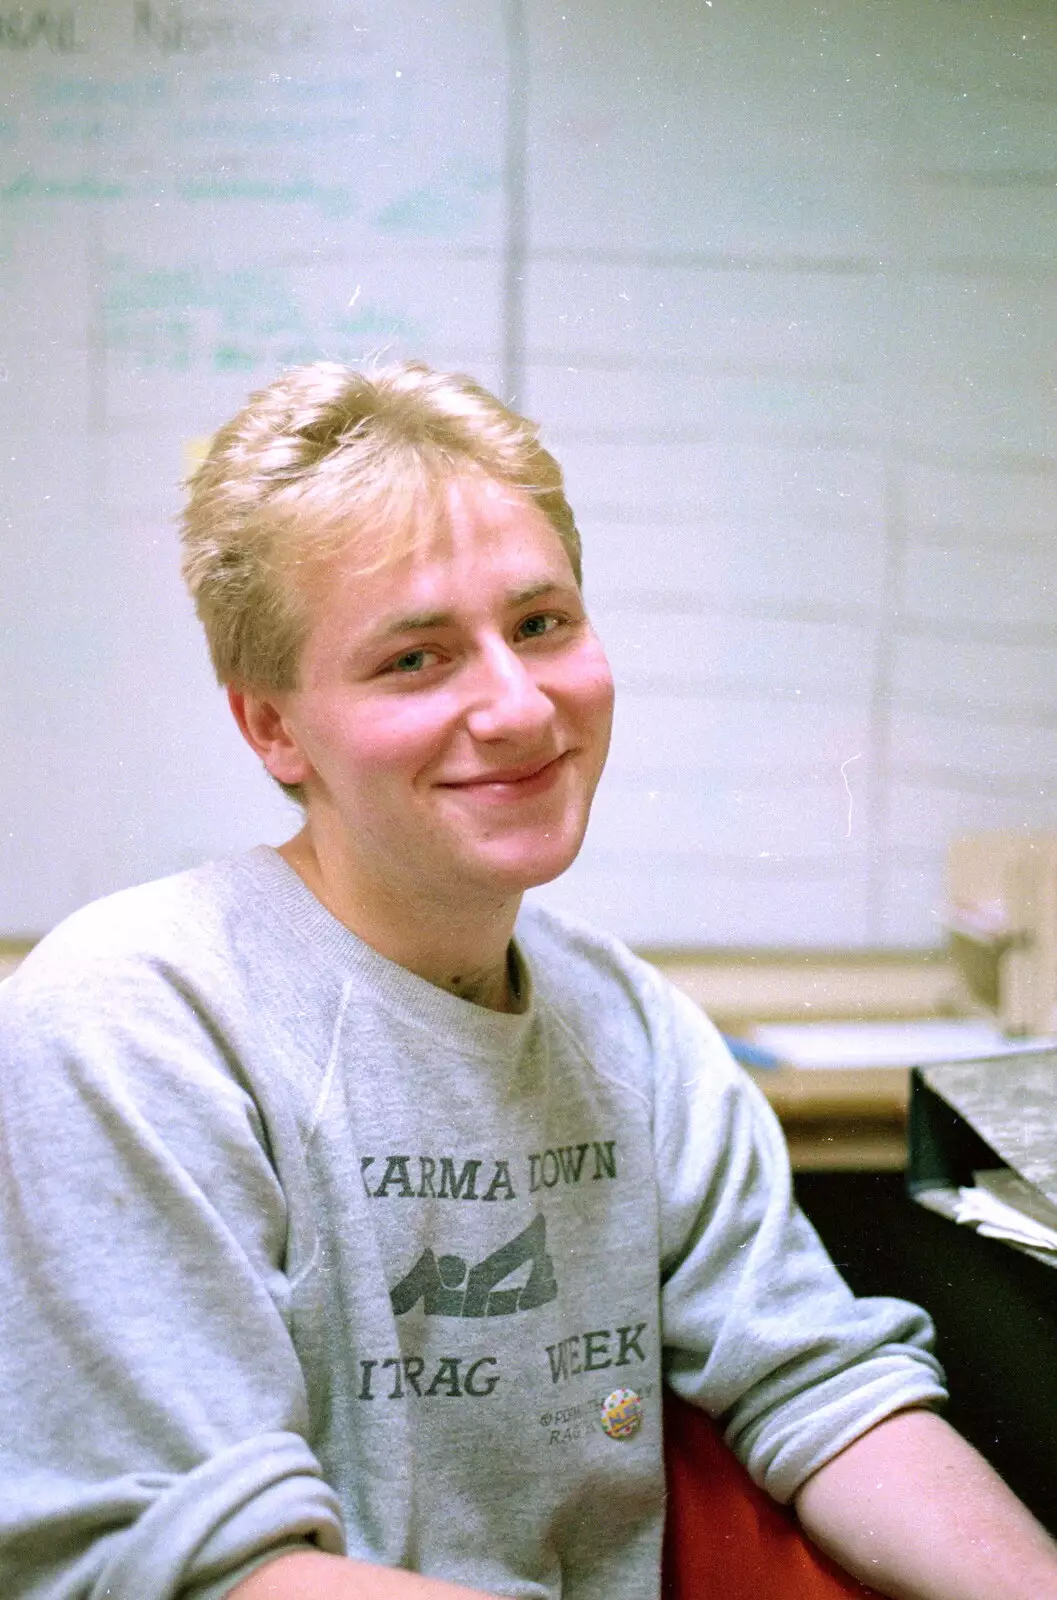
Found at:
[326, 458]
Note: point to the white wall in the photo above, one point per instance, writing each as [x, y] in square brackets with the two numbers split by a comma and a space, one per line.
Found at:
[778, 279]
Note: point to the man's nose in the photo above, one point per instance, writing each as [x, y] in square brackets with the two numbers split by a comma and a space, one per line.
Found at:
[505, 699]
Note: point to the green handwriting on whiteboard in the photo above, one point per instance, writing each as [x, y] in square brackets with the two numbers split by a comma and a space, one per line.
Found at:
[444, 205]
[199, 317]
[96, 92]
[28, 186]
[154, 113]
[134, 288]
[333, 200]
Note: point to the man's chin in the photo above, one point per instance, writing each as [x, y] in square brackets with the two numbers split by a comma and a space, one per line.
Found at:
[517, 873]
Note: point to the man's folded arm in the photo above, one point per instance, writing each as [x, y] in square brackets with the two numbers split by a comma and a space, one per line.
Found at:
[912, 1509]
[311, 1575]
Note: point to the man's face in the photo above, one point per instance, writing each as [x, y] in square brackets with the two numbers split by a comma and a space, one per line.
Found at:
[453, 710]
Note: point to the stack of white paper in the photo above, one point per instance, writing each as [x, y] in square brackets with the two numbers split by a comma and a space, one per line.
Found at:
[1002, 1205]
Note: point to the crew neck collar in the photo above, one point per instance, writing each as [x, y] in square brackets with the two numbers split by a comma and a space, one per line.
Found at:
[415, 999]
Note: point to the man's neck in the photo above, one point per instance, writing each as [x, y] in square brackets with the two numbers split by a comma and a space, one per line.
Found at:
[493, 987]
[464, 949]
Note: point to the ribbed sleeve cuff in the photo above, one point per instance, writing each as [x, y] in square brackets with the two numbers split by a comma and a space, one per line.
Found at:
[208, 1527]
[782, 1450]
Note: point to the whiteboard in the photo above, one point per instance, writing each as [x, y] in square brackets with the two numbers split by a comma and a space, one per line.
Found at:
[779, 284]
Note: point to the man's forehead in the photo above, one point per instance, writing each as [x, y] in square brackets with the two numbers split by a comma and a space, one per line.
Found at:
[485, 543]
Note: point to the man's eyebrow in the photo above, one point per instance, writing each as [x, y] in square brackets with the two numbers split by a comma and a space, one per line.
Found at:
[443, 619]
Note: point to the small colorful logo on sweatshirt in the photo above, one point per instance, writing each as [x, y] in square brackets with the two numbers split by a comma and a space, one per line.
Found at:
[622, 1414]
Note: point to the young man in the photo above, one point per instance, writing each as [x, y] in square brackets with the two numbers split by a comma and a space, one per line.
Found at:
[354, 1213]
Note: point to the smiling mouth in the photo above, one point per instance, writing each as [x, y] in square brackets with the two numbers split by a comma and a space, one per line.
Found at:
[510, 777]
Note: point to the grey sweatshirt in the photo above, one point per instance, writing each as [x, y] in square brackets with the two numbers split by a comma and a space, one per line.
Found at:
[299, 1248]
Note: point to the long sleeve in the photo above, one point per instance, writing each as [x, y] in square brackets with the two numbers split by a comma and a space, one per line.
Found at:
[759, 1327]
[152, 1406]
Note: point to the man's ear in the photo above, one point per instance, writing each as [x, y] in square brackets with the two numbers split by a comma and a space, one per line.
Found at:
[263, 724]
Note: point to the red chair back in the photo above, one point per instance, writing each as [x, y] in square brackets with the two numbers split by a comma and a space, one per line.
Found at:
[724, 1539]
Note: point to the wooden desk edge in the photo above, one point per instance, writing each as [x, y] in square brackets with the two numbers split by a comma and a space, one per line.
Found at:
[840, 1118]
[807, 1093]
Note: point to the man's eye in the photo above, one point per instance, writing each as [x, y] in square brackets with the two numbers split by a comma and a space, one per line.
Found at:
[410, 662]
[545, 622]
